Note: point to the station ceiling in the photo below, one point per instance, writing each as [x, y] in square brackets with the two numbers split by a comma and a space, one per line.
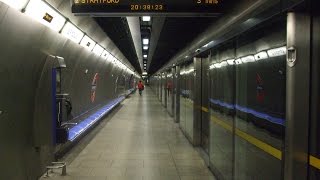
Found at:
[176, 33]
[117, 29]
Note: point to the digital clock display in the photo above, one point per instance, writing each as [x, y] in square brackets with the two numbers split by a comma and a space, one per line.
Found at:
[137, 7]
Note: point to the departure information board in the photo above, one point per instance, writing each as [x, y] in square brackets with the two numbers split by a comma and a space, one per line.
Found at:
[137, 7]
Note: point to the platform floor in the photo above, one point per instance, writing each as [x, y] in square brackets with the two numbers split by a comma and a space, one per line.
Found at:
[140, 142]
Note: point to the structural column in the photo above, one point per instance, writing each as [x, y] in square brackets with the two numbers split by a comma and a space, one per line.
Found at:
[297, 99]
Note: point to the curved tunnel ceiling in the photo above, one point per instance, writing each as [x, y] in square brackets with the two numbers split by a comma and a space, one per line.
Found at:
[118, 30]
[176, 33]
[172, 35]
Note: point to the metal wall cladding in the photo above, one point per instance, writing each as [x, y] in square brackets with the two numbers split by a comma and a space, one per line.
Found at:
[25, 44]
[88, 25]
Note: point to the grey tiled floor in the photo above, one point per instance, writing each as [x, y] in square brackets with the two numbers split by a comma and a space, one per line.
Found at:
[140, 142]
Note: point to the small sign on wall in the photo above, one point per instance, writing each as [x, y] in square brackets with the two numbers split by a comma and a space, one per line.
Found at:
[48, 17]
[88, 43]
[72, 32]
[94, 87]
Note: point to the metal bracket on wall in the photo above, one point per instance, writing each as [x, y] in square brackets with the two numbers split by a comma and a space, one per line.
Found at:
[57, 165]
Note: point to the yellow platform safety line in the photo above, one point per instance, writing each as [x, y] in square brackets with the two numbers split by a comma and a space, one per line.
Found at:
[262, 145]
[315, 162]
[256, 142]
[204, 109]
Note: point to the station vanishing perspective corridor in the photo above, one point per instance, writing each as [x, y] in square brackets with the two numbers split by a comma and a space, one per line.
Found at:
[140, 141]
[230, 90]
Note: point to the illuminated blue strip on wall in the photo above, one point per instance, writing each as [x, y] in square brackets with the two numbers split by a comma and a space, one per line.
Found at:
[78, 129]
[255, 113]
[131, 90]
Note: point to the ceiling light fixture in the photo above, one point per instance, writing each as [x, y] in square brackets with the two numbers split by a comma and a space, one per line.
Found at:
[145, 56]
[247, 59]
[260, 56]
[145, 41]
[145, 47]
[277, 51]
[146, 18]
[231, 61]
[238, 61]
[208, 44]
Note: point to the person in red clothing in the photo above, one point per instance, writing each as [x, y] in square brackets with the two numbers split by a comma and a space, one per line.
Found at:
[140, 87]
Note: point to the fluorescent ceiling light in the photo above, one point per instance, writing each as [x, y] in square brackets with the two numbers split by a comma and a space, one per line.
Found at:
[190, 71]
[281, 51]
[146, 18]
[145, 56]
[16, 4]
[145, 64]
[98, 50]
[72, 32]
[145, 41]
[238, 61]
[111, 59]
[88, 43]
[144, 73]
[43, 13]
[105, 54]
[217, 65]
[223, 63]
[212, 66]
[231, 62]
[208, 44]
[145, 47]
[247, 59]
[261, 55]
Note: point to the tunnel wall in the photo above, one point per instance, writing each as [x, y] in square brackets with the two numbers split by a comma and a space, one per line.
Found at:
[24, 75]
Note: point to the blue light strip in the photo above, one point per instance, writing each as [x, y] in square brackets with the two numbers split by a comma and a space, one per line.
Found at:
[78, 129]
[130, 91]
[255, 113]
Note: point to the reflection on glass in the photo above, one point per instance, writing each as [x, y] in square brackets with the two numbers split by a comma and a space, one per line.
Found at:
[247, 105]
[221, 131]
[163, 84]
[189, 78]
[183, 95]
[169, 89]
[260, 111]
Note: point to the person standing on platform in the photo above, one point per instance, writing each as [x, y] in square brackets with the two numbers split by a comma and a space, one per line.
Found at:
[140, 87]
